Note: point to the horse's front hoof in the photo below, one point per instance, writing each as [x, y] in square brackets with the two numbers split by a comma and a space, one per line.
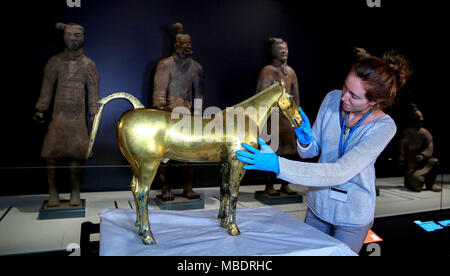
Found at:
[148, 240]
[233, 230]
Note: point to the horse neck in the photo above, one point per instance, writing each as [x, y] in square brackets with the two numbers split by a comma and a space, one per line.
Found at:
[267, 99]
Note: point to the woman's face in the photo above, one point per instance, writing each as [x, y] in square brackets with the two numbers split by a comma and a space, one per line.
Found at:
[354, 95]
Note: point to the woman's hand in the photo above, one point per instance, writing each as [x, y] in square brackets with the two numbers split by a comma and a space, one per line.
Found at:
[263, 160]
[304, 132]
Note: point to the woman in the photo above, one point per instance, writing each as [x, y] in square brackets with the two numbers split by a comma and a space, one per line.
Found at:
[350, 132]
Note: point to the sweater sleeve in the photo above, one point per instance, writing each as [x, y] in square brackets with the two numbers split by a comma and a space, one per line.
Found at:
[345, 168]
[313, 148]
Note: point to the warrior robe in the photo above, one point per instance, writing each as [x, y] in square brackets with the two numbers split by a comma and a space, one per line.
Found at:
[73, 74]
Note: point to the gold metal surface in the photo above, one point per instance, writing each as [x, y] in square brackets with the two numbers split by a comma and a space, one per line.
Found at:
[289, 109]
[148, 136]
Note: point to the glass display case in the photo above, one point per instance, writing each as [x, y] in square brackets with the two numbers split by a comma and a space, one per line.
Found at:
[126, 41]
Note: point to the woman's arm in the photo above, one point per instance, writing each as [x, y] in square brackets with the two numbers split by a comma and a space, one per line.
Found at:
[345, 168]
[308, 151]
[313, 149]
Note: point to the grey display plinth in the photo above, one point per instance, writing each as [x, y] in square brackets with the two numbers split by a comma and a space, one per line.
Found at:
[64, 210]
[278, 199]
[181, 203]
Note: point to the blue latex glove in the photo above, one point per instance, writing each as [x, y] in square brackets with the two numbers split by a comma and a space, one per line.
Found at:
[263, 160]
[304, 132]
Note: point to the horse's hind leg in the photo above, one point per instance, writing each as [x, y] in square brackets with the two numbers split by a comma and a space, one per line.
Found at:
[145, 176]
[235, 177]
[224, 193]
[134, 186]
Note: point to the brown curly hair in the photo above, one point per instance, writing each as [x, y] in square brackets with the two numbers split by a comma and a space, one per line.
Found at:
[382, 76]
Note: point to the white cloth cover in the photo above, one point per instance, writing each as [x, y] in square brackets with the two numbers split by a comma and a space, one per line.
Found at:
[264, 231]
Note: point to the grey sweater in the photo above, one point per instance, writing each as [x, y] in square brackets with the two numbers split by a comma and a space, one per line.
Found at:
[342, 189]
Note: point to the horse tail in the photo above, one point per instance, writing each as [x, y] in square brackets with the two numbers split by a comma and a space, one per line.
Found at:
[120, 95]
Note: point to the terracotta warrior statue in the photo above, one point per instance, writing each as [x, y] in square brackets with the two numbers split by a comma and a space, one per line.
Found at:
[277, 71]
[71, 77]
[178, 82]
[416, 150]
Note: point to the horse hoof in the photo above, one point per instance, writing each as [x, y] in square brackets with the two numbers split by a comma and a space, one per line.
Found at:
[148, 240]
[233, 230]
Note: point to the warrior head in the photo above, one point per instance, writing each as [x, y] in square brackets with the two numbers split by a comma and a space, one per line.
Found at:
[73, 35]
[279, 49]
[183, 46]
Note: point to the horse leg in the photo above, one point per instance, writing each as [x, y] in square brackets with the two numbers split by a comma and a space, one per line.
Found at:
[134, 186]
[236, 175]
[146, 174]
[224, 193]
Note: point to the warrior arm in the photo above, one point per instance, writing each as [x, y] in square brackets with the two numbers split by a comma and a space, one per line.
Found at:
[294, 88]
[48, 85]
[199, 84]
[92, 88]
[161, 85]
[428, 151]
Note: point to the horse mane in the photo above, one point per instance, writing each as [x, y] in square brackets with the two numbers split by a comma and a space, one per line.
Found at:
[266, 98]
[260, 99]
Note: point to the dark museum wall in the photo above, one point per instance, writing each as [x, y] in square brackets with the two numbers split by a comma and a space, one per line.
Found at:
[126, 39]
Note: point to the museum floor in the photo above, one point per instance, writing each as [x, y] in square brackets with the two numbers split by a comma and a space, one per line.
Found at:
[22, 233]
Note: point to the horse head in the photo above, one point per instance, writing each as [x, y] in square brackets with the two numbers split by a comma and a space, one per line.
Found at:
[289, 108]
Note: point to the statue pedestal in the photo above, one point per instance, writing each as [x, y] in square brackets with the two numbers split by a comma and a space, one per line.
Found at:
[64, 210]
[180, 203]
[278, 199]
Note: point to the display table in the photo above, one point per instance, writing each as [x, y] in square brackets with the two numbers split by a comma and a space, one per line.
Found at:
[264, 231]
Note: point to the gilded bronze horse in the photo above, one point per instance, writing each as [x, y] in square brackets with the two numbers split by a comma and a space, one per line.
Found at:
[147, 137]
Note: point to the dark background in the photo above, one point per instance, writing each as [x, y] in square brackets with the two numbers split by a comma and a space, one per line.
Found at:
[126, 39]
